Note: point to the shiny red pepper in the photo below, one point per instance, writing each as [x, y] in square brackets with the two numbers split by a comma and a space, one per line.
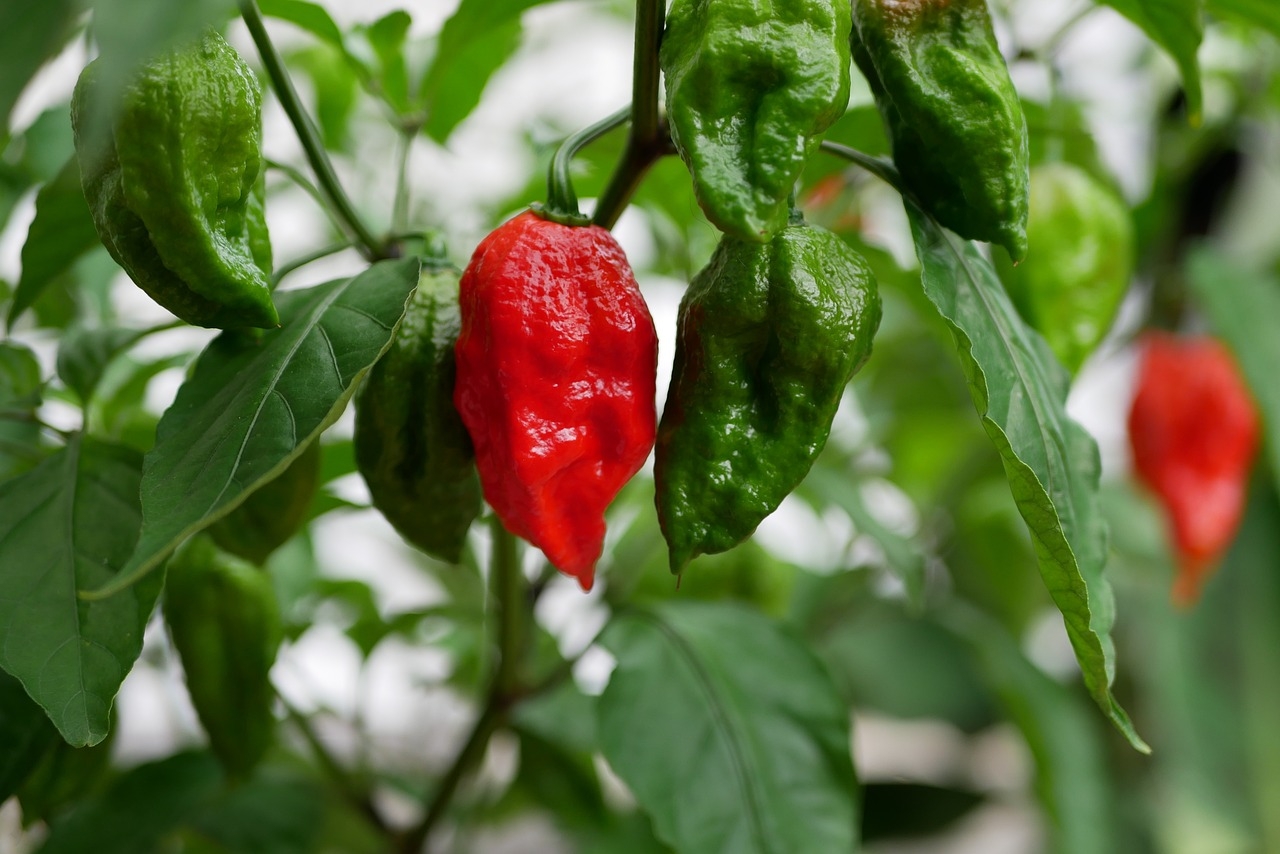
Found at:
[557, 363]
[1194, 431]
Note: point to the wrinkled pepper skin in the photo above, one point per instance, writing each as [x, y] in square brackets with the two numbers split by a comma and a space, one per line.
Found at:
[750, 87]
[1071, 284]
[174, 186]
[954, 119]
[557, 364]
[1194, 434]
[411, 445]
[272, 513]
[768, 337]
[225, 623]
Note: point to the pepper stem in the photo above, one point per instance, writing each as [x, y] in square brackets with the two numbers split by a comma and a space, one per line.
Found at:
[562, 201]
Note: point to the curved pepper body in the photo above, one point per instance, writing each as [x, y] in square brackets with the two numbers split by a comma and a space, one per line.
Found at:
[272, 513]
[1071, 284]
[173, 186]
[750, 86]
[225, 623]
[954, 119]
[557, 362]
[769, 335]
[1194, 433]
[411, 445]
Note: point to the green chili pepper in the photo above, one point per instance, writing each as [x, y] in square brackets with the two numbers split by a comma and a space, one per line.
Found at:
[768, 336]
[954, 119]
[225, 623]
[273, 513]
[1070, 286]
[411, 445]
[173, 185]
[750, 86]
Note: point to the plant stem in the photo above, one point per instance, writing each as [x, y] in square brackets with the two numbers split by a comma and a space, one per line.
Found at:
[880, 167]
[351, 790]
[648, 140]
[370, 246]
[297, 263]
[400, 207]
[504, 688]
[562, 201]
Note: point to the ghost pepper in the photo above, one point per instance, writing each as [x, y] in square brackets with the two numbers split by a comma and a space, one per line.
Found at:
[557, 363]
[1193, 429]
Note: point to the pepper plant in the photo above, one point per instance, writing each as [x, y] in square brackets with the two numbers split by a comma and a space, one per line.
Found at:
[708, 615]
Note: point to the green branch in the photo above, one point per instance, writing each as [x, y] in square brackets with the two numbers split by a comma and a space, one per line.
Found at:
[370, 246]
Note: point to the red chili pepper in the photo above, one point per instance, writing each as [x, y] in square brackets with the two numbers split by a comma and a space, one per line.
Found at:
[1194, 433]
[557, 363]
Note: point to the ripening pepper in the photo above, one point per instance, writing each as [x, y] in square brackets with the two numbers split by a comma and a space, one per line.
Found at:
[750, 87]
[173, 184]
[1071, 284]
[225, 623]
[411, 446]
[557, 363]
[769, 335]
[955, 122]
[273, 512]
[1194, 433]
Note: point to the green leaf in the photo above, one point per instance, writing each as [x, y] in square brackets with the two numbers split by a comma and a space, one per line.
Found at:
[70, 524]
[1261, 13]
[264, 816]
[64, 776]
[254, 401]
[61, 232]
[474, 43]
[117, 410]
[309, 16]
[1244, 306]
[1177, 26]
[29, 34]
[143, 806]
[913, 809]
[728, 731]
[20, 389]
[334, 85]
[1051, 463]
[25, 733]
[1072, 779]
[386, 37]
[84, 354]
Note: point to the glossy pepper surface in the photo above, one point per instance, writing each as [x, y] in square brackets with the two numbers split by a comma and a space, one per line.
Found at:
[225, 623]
[769, 335]
[1194, 433]
[954, 119]
[411, 445]
[272, 513]
[557, 359]
[1070, 286]
[750, 87]
[173, 185]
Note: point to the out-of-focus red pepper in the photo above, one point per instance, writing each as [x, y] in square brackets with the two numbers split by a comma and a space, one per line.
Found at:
[1194, 432]
[557, 363]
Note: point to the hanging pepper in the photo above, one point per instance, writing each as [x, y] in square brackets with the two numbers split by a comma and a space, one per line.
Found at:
[768, 336]
[272, 513]
[225, 623]
[1194, 433]
[1070, 286]
[557, 359]
[750, 87]
[173, 184]
[954, 118]
[411, 446]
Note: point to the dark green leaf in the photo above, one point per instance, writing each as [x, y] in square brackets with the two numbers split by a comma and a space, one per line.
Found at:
[1244, 306]
[25, 733]
[1261, 13]
[913, 809]
[264, 816]
[309, 16]
[143, 806]
[66, 526]
[61, 232]
[254, 401]
[20, 392]
[474, 43]
[117, 410]
[1072, 779]
[386, 36]
[64, 776]
[1050, 461]
[47, 143]
[1177, 26]
[84, 354]
[30, 32]
[729, 732]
